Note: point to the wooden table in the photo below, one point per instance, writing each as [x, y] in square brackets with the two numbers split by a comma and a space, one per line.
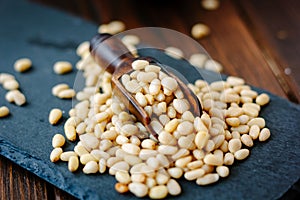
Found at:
[257, 40]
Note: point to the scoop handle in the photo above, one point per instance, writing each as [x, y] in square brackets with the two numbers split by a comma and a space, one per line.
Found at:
[109, 52]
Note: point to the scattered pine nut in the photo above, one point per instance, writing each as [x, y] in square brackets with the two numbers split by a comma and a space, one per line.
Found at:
[4, 111]
[62, 67]
[200, 30]
[54, 116]
[22, 65]
[58, 140]
[210, 4]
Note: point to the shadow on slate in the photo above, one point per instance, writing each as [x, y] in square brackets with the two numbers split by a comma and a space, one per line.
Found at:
[46, 35]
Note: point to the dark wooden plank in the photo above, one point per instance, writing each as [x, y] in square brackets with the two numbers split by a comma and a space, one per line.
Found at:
[275, 27]
[17, 183]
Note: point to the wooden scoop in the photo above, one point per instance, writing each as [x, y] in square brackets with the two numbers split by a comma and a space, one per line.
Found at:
[111, 54]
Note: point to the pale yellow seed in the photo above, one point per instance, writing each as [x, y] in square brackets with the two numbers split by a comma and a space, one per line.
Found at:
[210, 4]
[11, 84]
[4, 111]
[241, 154]
[200, 30]
[262, 99]
[201, 139]
[66, 94]
[247, 140]
[208, 179]
[22, 65]
[55, 115]
[62, 67]
[55, 154]
[228, 159]
[65, 156]
[214, 160]
[223, 171]
[259, 121]
[91, 168]
[58, 88]
[158, 192]
[171, 125]
[254, 132]
[139, 64]
[264, 134]
[174, 52]
[73, 163]
[194, 174]
[175, 172]
[234, 145]
[70, 133]
[58, 140]
[173, 187]
[138, 189]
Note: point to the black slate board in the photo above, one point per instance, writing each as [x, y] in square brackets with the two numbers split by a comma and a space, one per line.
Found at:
[45, 36]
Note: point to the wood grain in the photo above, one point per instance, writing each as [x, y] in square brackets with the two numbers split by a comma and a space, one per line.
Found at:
[254, 39]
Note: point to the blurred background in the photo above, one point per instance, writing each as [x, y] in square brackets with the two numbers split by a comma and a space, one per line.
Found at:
[244, 36]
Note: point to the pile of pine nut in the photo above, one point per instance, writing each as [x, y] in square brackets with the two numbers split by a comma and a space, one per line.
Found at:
[198, 148]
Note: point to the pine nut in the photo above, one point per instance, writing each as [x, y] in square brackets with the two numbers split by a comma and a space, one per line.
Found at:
[91, 168]
[228, 159]
[210, 4]
[65, 156]
[62, 67]
[200, 30]
[260, 122]
[139, 64]
[22, 64]
[247, 140]
[55, 154]
[185, 128]
[201, 139]
[174, 52]
[5, 76]
[241, 154]
[70, 133]
[121, 188]
[58, 88]
[131, 148]
[264, 134]
[167, 149]
[66, 94]
[194, 174]
[223, 171]
[55, 115]
[211, 159]
[4, 111]
[234, 145]
[198, 60]
[138, 189]
[262, 99]
[180, 153]
[180, 105]
[58, 140]
[73, 163]
[158, 192]
[173, 187]
[161, 179]
[182, 162]
[207, 179]
[175, 172]
[83, 48]
[11, 84]
[123, 177]
[234, 81]
[213, 65]
[254, 132]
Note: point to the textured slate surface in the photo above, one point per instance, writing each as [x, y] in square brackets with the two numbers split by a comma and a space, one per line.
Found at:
[45, 36]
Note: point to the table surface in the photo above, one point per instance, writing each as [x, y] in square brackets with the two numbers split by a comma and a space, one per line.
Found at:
[264, 35]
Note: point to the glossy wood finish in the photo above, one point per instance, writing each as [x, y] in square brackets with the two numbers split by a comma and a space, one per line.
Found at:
[256, 40]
